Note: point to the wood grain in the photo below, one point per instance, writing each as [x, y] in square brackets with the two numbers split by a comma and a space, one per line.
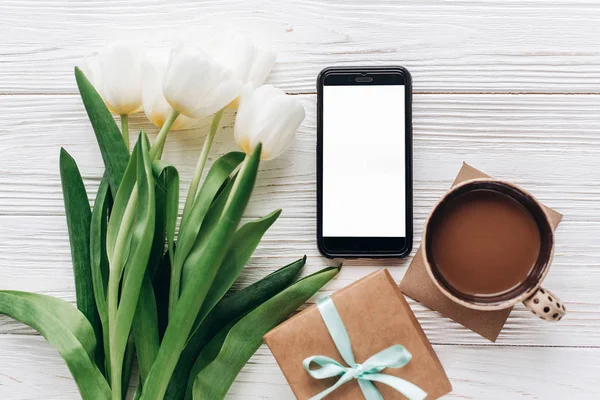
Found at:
[38, 247]
[548, 144]
[476, 372]
[464, 46]
[510, 87]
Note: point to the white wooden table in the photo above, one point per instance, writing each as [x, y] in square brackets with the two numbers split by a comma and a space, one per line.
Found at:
[512, 87]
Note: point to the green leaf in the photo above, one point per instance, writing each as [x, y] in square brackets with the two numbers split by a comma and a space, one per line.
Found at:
[118, 245]
[158, 242]
[214, 214]
[127, 366]
[244, 243]
[208, 355]
[145, 328]
[210, 222]
[142, 232]
[217, 175]
[193, 295]
[99, 261]
[245, 337]
[113, 148]
[160, 283]
[65, 328]
[145, 323]
[117, 215]
[167, 178]
[229, 308]
[77, 210]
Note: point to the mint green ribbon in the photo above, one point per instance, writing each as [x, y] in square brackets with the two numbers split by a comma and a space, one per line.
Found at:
[395, 356]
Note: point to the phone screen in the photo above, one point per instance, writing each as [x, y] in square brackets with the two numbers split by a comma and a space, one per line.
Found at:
[364, 161]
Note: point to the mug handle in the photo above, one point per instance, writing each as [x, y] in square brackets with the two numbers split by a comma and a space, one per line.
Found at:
[545, 305]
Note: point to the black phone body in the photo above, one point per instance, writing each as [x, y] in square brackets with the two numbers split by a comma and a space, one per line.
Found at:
[364, 162]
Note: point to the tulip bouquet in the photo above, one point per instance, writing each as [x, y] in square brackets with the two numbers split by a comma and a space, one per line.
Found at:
[142, 290]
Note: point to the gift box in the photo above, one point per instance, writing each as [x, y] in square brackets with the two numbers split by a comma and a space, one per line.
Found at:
[368, 324]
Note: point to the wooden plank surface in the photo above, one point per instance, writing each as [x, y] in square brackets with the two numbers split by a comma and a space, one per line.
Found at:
[509, 46]
[476, 372]
[511, 87]
[550, 144]
[38, 247]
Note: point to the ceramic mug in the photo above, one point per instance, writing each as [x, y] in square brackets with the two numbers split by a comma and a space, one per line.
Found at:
[537, 299]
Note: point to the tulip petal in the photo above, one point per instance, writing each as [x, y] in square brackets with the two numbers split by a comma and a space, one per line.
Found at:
[275, 125]
[267, 115]
[184, 122]
[93, 71]
[121, 76]
[91, 68]
[289, 126]
[189, 78]
[264, 60]
[236, 53]
[156, 107]
[223, 94]
[243, 119]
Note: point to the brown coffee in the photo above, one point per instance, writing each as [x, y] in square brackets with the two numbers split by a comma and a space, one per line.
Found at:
[485, 243]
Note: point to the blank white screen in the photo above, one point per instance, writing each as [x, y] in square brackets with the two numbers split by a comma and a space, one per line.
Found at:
[363, 161]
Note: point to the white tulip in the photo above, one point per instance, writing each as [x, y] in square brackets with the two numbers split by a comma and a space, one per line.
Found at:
[156, 107]
[91, 69]
[116, 73]
[117, 76]
[197, 86]
[248, 61]
[267, 115]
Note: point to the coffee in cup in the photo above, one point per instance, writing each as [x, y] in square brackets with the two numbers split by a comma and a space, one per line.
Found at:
[488, 245]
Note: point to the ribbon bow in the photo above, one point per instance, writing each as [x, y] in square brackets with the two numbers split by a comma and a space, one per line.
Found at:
[395, 356]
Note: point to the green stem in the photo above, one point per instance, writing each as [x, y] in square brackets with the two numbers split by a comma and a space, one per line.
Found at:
[175, 286]
[236, 183]
[192, 191]
[116, 382]
[106, 343]
[117, 262]
[157, 149]
[125, 129]
[115, 366]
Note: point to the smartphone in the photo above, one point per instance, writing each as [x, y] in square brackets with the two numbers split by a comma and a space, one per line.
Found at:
[364, 162]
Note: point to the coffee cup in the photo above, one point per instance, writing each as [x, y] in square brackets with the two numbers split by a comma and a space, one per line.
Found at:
[488, 245]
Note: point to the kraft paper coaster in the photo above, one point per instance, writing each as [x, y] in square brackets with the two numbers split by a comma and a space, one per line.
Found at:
[418, 285]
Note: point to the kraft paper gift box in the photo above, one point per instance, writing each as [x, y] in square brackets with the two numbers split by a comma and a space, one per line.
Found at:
[376, 316]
